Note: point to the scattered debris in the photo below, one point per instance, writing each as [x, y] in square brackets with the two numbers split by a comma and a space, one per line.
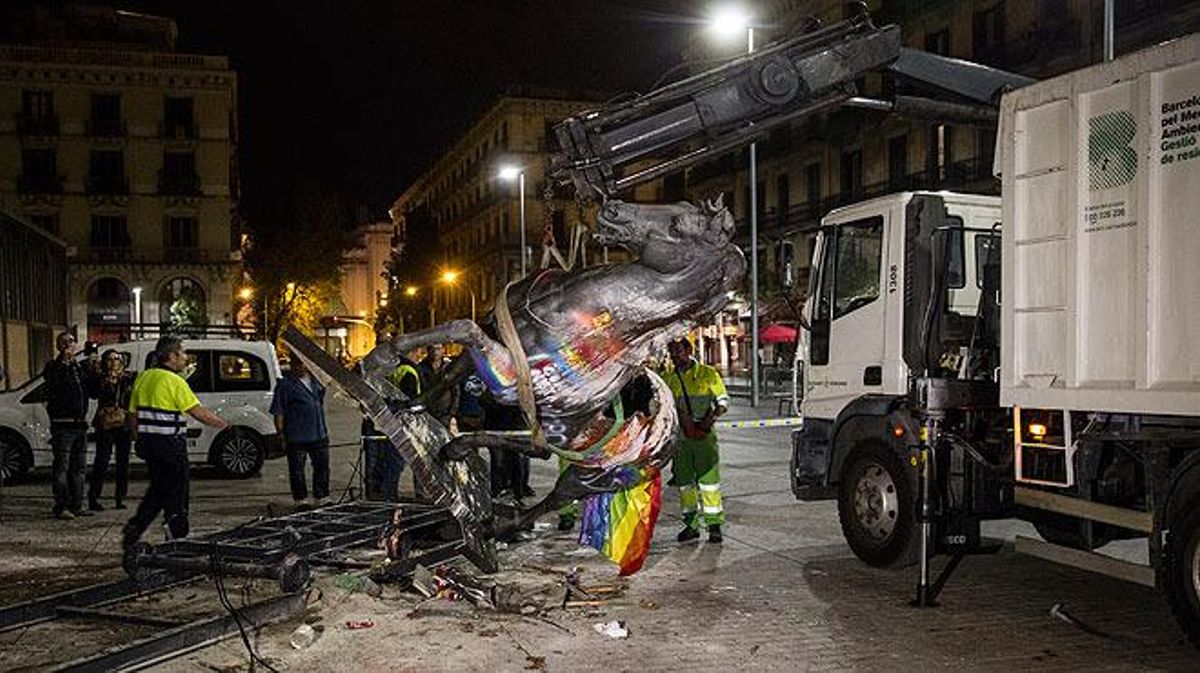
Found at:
[533, 663]
[422, 581]
[355, 583]
[615, 629]
[648, 605]
[303, 636]
[359, 624]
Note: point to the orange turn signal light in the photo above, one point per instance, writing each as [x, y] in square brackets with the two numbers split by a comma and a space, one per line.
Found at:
[898, 430]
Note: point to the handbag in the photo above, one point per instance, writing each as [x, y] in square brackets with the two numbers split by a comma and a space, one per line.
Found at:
[109, 418]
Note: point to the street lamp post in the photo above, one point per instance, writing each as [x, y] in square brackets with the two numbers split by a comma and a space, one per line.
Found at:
[514, 173]
[730, 21]
[137, 310]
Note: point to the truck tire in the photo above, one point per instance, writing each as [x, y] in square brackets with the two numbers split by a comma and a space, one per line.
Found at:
[15, 457]
[238, 454]
[1181, 569]
[877, 506]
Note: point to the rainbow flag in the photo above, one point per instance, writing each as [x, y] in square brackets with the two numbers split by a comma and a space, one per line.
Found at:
[621, 524]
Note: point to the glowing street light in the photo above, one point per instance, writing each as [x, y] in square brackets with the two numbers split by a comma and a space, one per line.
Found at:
[410, 291]
[450, 277]
[246, 293]
[729, 21]
[510, 173]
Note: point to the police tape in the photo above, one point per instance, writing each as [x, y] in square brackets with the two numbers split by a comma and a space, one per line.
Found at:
[760, 423]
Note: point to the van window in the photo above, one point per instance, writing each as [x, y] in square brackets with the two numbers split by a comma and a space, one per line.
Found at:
[201, 380]
[240, 372]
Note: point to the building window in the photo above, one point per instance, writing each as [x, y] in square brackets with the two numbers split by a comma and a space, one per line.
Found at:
[851, 174]
[988, 35]
[178, 120]
[898, 162]
[785, 265]
[181, 232]
[783, 197]
[39, 172]
[106, 115]
[182, 301]
[110, 231]
[812, 183]
[106, 172]
[178, 174]
[37, 113]
[938, 42]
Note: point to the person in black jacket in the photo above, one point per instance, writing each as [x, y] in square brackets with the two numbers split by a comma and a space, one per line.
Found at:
[67, 382]
[112, 387]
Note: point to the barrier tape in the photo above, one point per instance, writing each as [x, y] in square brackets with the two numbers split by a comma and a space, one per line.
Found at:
[761, 423]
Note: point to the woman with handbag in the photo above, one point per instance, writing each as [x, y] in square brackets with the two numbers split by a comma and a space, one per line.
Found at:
[112, 390]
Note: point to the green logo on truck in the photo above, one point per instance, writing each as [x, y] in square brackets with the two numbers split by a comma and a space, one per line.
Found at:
[1112, 162]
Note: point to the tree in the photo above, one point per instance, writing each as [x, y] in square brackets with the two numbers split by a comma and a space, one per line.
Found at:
[294, 256]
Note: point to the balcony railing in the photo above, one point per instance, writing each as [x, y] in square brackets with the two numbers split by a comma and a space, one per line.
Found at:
[974, 173]
[178, 184]
[40, 184]
[130, 255]
[186, 254]
[107, 184]
[106, 128]
[37, 125]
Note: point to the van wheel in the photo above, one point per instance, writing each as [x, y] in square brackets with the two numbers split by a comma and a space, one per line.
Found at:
[877, 506]
[15, 456]
[239, 453]
[1181, 565]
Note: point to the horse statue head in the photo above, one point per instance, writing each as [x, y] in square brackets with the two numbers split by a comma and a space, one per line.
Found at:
[665, 237]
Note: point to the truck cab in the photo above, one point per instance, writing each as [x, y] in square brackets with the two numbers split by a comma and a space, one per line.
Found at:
[895, 291]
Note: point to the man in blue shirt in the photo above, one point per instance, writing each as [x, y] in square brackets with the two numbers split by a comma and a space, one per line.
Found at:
[299, 410]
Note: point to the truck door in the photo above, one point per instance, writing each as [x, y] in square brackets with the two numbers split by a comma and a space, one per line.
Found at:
[846, 344]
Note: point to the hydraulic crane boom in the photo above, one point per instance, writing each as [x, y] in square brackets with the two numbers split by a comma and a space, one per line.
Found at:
[627, 143]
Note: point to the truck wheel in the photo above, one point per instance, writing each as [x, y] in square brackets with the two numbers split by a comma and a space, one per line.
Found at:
[238, 454]
[1181, 566]
[877, 506]
[15, 456]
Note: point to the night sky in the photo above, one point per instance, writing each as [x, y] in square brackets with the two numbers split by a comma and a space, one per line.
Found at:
[361, 96]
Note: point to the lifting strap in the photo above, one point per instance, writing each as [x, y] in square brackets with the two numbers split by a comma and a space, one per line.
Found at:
[512, 341]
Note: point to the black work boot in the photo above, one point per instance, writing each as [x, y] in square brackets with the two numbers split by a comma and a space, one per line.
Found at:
[714, 534]
[688, 534]
[566, 522]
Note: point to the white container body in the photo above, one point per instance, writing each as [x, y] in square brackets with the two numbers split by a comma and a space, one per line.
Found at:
[1101, 245]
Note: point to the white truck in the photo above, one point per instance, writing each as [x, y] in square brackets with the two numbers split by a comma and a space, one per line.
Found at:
[1035, 355]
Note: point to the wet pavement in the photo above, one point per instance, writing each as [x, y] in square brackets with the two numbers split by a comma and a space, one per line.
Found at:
[782, 593]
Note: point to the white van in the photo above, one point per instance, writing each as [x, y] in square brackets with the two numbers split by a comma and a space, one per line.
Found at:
[236, 379]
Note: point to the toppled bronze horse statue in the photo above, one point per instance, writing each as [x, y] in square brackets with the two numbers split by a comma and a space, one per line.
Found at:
[584, 335]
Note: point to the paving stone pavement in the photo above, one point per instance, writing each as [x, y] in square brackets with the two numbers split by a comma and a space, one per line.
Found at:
[782, 593]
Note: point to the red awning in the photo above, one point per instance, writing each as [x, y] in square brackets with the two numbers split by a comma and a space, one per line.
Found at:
[777, 334]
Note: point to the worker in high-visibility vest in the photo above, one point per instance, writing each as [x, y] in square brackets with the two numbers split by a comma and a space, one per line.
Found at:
[160, 400]
[700, 398]
[384, 464]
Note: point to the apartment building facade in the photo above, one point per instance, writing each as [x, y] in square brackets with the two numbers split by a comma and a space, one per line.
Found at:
[477, 214]
[125, 150]
[827, 161]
